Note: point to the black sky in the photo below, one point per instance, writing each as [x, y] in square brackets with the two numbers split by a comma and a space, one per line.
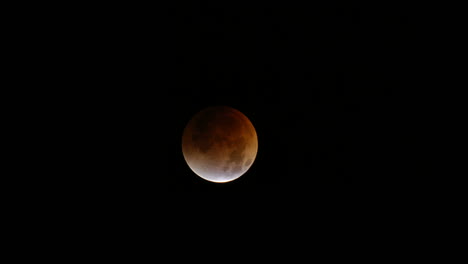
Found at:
[314, 80]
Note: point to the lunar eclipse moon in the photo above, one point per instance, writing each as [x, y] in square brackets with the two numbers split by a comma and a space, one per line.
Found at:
[219, 144]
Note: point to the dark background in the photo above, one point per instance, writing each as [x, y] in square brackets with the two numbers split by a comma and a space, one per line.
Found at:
[112, 87]
[317, 82]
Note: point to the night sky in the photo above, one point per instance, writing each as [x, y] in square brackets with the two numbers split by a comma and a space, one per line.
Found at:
[314, 81]
[112, 86]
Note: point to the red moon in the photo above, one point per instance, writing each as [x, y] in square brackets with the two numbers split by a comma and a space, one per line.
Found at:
[219, 144]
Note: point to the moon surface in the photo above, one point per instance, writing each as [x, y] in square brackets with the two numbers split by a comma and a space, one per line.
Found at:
[219, 144]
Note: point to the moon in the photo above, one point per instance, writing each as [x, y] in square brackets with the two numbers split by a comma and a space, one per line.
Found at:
[219, 144]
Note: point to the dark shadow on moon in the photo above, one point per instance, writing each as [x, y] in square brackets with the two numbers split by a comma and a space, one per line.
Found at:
[237, 156]
[202, 141]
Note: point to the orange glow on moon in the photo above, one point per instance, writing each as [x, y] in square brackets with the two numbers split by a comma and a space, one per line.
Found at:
[219, 144]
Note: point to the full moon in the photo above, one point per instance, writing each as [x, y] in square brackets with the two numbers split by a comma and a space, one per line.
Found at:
[219, 144]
